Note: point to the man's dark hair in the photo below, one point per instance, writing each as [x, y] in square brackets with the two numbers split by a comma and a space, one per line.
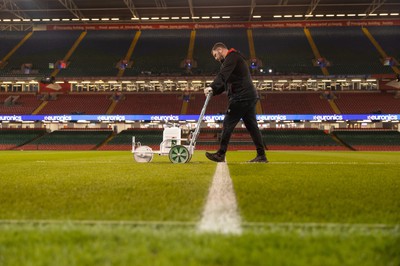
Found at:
[218, 45]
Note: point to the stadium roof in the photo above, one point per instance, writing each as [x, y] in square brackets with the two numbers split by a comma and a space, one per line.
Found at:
[48, 11]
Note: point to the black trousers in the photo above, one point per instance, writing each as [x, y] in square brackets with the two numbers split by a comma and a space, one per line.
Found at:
[245, 110]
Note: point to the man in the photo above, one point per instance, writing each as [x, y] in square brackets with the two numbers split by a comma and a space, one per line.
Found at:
[234, 78]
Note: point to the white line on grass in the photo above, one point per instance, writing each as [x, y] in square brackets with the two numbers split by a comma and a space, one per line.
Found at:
[220, 213]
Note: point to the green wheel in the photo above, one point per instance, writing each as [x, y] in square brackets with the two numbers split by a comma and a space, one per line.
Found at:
[179, 154]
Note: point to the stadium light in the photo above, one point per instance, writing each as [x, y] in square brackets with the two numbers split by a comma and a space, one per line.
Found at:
[361, 15]
[394, 14]
[85, 19]
[298, 16]
[319, 15]
[105, 19]
[185, 17]
[383, 14]
[225, 17]
[65, 19]
[330, 15]
[351, 15]
[288, 16]
[135, 18]
[55, 19]
[215, 17]
[257, 16]
[206, 17]
[16, 19]
[145, 18]
[373, 15]
[45, 19]
[175, 18]
[309, 16]
[165, 18]
[26, 19]
[114, 19]
[340, 15]
[155, 18]
[195, 17]
[277, 16]
[95, 19]
[75, 19]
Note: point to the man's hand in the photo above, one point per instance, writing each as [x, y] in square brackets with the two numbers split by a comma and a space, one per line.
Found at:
[208, 90]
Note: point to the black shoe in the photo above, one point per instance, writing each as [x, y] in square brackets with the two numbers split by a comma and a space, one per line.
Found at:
[216, 157]
[259, 159]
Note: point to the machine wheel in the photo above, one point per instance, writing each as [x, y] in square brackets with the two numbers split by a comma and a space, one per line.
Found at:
[179, 154]
[143, 154]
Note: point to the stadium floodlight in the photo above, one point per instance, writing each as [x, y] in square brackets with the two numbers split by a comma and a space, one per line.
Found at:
[155, 18]
[105, 19]
[195, 17]
[383, 14]
[330, 15]
[268, 80]
[75, 19]
[165, 18]
[282, 80]
[341, 80]
[185, 17]
[46, 19]
[371, 80]
[225, 17]
[394, 14]
[277, 16]
[134, 18]
[145, 18]
[114, 19]
[95, 19]
[175, 18]
[288, 16]
[362, 15]
[298, 16]
[16, 19]
[319, 15]
[215, 17]
[256, 16]
[85, 19]
[373, 15]
[340, 15]
[65, 19]
[206, 17]
[6, 20]
[356, 80]
[26, 20]
[351, 15]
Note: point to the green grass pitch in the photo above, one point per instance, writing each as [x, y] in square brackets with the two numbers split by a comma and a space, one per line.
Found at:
[102, 208]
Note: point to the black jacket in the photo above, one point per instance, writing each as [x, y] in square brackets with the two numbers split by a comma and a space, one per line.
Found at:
[234, 78]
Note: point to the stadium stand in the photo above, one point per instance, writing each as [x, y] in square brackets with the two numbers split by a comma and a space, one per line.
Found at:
[70, 139]
[217, 105]
[79, 103]
[33, 51]
[11, 138]
[18, 104]
[9, 39]
[285, 51]
[159, 52]
[387, 37]
[367, 102]
[299, 139]
[205, 39]
[348, 50]
[123, 141]
[149, 103]
[370, 139]
[294, 103]
[98, 54]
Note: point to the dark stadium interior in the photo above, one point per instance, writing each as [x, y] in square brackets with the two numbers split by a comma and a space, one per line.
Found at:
[161, 64]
